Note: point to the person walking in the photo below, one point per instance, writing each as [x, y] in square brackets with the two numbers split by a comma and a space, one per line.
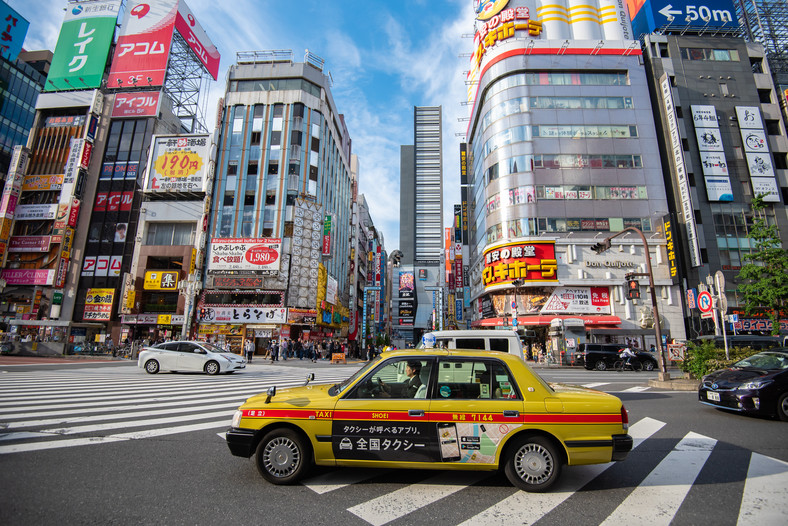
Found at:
[249, 349]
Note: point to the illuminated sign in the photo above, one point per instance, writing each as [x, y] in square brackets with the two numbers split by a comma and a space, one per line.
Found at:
[138, 104]
[530, 261]
[649, 15]
[161, 280]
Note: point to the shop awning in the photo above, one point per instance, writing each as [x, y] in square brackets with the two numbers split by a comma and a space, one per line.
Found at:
[529, 321]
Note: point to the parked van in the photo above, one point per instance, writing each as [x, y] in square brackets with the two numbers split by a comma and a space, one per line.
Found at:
[482, 340]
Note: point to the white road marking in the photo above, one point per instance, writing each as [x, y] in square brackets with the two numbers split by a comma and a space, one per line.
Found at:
[595, 384]
[527, 508]
[401, 502]
[335, 480]
[765, 498]
[54, 444]
[636, 389]
[657, 499]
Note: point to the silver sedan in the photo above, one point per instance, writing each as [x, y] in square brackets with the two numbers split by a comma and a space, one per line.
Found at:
[189, 356]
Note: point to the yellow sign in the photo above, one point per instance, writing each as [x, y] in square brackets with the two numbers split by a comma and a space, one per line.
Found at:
[161, 280]
[164, 319]
[178, 164]
[130, 298]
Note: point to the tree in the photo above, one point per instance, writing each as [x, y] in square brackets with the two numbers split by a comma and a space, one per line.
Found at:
[763, 285]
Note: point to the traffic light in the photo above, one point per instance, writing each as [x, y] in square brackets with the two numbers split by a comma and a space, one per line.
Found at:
[202, 313]
[633, 287]
[601, 247]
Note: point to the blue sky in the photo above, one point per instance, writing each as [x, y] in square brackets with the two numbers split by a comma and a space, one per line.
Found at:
[384, 57]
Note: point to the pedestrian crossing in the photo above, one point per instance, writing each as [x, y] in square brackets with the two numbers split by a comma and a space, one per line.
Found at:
[55, 409]
[656, 500]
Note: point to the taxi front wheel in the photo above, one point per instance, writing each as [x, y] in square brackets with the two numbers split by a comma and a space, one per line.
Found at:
[533, 464]
[283, 457]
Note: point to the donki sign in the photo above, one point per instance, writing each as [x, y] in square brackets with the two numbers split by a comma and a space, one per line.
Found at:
[143, 47]
[529, 261]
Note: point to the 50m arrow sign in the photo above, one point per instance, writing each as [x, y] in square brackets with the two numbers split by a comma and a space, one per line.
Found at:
[697, 13]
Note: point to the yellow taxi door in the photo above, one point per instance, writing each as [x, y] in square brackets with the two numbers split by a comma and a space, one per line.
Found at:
[475, 407]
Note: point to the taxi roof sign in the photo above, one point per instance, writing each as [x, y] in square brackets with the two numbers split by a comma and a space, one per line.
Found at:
[428, 340]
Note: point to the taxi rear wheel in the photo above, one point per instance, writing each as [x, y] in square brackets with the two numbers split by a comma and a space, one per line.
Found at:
[533, 464]
[283, 457]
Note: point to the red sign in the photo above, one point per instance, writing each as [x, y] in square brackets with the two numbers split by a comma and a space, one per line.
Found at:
[87, 152]
[73, 213]
[261, 255]
[101, 202]
[138, 104]
[194, 35]
[527, 261]
[143, 47]
[705, 303]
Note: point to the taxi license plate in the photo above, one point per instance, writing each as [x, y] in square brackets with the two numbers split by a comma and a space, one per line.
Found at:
[714, 397]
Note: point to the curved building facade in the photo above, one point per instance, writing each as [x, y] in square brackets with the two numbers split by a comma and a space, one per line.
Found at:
[562, 152]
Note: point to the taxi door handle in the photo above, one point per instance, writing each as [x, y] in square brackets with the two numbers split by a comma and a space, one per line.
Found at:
[511, 414]
[415, 412]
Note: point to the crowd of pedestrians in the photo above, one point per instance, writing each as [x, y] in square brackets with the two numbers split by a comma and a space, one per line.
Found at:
[304, 349]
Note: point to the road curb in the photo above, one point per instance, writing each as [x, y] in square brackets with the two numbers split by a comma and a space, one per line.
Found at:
[678, 384]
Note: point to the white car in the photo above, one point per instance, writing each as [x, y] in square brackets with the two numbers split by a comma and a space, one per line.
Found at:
[189, 356]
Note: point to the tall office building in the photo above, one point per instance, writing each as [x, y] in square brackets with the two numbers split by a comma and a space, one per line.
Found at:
[562, 152]
[417, 297]
[279, 255]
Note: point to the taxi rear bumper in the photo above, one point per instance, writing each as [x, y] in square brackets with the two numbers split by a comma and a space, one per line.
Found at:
[622, 445]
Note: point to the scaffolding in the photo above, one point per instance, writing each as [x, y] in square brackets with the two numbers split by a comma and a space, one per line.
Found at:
[766, 22]
[187, 84]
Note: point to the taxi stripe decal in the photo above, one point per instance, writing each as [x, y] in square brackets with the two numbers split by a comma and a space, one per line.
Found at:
[523, 418]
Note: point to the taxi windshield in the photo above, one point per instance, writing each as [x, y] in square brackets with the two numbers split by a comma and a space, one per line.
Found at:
[338, 388]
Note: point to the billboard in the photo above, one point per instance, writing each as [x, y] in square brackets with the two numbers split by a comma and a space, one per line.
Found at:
[98, 304]
[137, 104]
[244, 254]
[530, 261]
[194, 35]
[14, 30]
[161, 280]
[83, 45]
[178, 163]
[143, 49]
[649, 15]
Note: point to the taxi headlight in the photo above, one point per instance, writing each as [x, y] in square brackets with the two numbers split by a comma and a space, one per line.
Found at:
[237, 419]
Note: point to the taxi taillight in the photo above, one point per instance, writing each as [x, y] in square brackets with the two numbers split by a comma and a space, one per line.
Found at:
[624, 418]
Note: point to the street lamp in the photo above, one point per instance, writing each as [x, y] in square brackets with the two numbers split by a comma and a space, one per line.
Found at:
[604, 245]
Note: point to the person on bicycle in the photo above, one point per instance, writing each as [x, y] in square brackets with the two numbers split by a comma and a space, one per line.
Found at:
[627, 355]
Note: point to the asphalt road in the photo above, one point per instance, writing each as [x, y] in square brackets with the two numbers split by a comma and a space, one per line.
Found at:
[191, 478]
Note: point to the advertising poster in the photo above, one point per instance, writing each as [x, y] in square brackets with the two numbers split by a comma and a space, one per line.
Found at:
[713, 163]
[749, 117]
[719, 189]
[578, 300]
[754, 141]
[767, 186]
[709, 139]
[83, 45]
[406, 284]
[178, 163]
[245, 254]
[143, 47]
[760, 164]
[98, 304]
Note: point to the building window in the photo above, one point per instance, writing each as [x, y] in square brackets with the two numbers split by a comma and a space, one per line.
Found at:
[170, 234]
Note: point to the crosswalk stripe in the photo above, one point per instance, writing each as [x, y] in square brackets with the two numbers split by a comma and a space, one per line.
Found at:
[764, 498]
[227, 413]
[527, 508]
[54, 444]
[657, 499]
[335, 480]
[401, 502]
[636, 389]
[595, 384]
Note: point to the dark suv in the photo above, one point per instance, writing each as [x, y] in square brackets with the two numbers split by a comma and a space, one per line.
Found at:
[602, 356]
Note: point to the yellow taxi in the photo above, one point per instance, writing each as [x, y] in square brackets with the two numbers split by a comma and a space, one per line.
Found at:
[436, 409]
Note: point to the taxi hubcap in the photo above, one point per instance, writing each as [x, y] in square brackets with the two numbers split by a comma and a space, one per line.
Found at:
[534, 463]
[281, 457]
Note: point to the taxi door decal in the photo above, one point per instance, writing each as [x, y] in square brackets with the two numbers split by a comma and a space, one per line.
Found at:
[388, 440]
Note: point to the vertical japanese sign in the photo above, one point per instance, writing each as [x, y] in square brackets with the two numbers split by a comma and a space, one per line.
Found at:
[194, 35]
[327, 235]
[98, 304]
[13, 29]
[83, 45]
[143, 48]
